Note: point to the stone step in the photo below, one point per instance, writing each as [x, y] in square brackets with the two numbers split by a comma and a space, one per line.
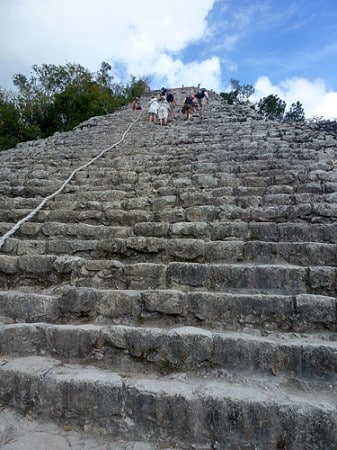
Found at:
[258, 278]
[301, 356]
[209, 178]
[185, 281]
[163, 250]
[144, 209]
[187, 412]
[215, 174]
[149, 160]
[110, 217]
[20, 306]
[19, 431]
[252, 231]
[167, 307]
[48, 230]
[49, 270]
[260, 231]
[170, 197]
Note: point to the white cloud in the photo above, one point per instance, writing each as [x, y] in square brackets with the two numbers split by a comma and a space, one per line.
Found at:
[207, 73]
[144, 37]
[138, 33]
[314, 96]
[328, 106]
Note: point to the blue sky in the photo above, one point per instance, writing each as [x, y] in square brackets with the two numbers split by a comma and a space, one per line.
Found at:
[287, 48]
[280, 39]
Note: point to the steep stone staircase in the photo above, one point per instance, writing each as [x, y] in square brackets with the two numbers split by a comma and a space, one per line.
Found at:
[180, 290]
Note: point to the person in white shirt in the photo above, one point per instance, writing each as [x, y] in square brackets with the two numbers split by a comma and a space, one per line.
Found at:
[153, 109]
[163, 111]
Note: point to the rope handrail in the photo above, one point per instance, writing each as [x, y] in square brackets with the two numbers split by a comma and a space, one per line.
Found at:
[58, 191]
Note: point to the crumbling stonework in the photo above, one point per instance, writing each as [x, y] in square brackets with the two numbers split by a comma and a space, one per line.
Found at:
[180, 292]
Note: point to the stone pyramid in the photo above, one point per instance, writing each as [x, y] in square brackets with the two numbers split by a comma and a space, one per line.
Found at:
[178, 292]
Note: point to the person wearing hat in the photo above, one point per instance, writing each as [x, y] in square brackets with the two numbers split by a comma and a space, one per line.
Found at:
[153, 109]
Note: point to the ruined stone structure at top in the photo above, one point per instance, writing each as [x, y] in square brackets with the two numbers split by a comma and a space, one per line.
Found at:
[181, 290]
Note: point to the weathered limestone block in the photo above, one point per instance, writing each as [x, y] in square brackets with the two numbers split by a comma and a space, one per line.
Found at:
[160, 203]
[29, 339]
[223, 251]
[207, 213]
[261, 278]
[205, 180]
[191, 229]
[144, 276]
[323, 280]
[26, 307]
[229, 231]
[185, 249]
[233, 213]
[182, 182]
[234, 310]
[324, 210]
[127, 218]
[80, 302]
[137, 203]
[316, 309]
[191, 198]
[185, 274]
[260, 231]
[273, 213]
[171, 215]
[278, 199]
[171, 302]
[146, 245]
[118, 305]
[37, 265]
[151, 229]
[247, 201]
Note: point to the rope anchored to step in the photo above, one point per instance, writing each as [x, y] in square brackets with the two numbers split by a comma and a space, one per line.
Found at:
[51, 196]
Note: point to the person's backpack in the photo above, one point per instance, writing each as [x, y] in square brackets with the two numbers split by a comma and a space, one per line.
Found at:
[189, 100]
[170, 97]
[200, 94]
[163, 92]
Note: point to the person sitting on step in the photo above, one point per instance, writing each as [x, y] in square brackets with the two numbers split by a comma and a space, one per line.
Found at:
[136, 104]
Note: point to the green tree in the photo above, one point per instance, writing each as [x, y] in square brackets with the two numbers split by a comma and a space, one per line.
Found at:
[295, 113]
[80, 102]
[58, 98]
[49, 79]
[239, 94]
[36, 95]
[103, 77]
[271, 107]
[135, 88]
[12, 128]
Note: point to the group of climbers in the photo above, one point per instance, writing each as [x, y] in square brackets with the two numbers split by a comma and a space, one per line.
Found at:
[195, 102]
[161, 107]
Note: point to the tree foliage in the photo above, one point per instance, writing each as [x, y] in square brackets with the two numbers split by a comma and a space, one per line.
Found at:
[295, 113]
[12, 128]
[271, 107]
[57, 98]
[239, 94]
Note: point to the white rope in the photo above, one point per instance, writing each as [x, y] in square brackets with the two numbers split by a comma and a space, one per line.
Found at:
[49, 197]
